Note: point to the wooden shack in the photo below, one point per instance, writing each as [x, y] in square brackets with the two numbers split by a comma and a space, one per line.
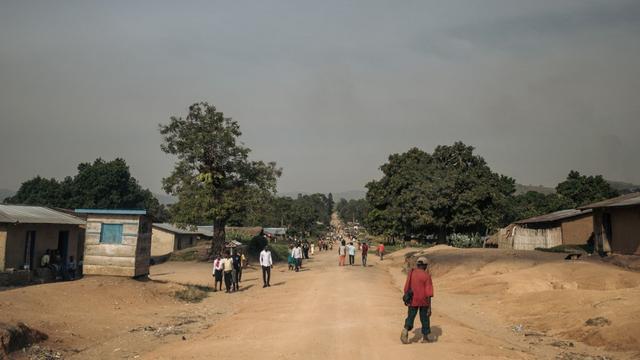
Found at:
[167, 238]
[117, 243]
[616, 224]
[27, 232]
[564, 227]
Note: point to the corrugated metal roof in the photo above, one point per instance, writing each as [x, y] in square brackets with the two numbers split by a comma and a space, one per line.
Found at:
[624, 200]
[554, 216]
[171, 228]
[111, 211]
[36, 215]
[206, 230]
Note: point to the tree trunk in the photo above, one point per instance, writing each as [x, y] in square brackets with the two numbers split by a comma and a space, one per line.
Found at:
[442, 236]
[217, 244]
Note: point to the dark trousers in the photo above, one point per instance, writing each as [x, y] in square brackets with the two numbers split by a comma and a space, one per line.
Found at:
[228, 278]
[266, 274]
[239, 274]
[236, 279]
[424, 318]
[298, 264]
[364, 260]
[352, 259]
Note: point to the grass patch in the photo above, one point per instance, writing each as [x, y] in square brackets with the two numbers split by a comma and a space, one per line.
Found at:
[189, 254]
[279, 251]
[193, 293]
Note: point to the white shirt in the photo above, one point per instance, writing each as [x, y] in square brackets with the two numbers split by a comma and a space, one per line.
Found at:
[217, 265]
[352, 249]
[265, 258]
[297, 253]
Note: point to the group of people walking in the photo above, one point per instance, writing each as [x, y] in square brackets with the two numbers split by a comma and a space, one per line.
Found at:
[350, 250]
[228, 268]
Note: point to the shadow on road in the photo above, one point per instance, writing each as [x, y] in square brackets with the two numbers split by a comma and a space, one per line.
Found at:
[436, 332]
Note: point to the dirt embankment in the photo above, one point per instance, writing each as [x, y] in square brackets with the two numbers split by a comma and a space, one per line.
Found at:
[588, 300]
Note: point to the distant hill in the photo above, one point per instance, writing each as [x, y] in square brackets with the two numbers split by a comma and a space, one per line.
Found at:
[347, 195]
[165, 199]
[624, 187]
[350, 195]
[4, 193]
[522, 189]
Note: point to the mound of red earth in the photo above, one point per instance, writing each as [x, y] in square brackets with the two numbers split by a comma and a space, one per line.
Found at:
[16, 337]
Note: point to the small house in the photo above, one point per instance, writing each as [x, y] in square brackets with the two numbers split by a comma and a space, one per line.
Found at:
[616, 224]
[275, 233]
[27, 232]
[117, 242]
[167, 238]
[564, 227]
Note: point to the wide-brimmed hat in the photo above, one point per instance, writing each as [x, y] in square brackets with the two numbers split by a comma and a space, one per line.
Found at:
[422, 261]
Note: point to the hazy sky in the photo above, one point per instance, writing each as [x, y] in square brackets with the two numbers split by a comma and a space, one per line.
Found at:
[327, 89]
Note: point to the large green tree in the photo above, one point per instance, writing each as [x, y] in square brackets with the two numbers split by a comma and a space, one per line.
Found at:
[582, 189]
[101, 185]
[451, 190]
[353, 210]
[213, 176]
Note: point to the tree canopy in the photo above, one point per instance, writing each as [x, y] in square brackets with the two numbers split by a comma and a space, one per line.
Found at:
[213, 176]
[101, 185]
[451, 190]
[582, 189]
[353, 210]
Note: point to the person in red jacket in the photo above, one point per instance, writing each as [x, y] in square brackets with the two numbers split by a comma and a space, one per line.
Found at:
[419, 281]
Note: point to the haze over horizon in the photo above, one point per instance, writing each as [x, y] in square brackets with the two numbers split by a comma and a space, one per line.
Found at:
[329, 89]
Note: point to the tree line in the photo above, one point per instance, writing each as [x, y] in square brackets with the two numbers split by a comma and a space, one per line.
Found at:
[454, 191]
[98, 185]
[420, 195]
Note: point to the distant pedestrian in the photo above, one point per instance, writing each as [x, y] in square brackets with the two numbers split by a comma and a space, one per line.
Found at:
[418, 290]
[227, 268]
[236, 261]
[381, 251]
[217, 273]
[297, 255]
[266, 262]
[365, 252]
[342, 253]
[305, 249]
[291, 261]
[313, 248]
[352, 253]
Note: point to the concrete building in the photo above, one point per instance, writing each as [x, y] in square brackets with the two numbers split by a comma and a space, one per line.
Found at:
[564, 227]
[616, 224]
[117, 243]
[27, 232]
[166, 238]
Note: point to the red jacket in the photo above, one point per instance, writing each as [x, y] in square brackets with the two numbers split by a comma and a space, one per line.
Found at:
[422, 287]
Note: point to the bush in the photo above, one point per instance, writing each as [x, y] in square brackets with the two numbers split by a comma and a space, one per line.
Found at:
[465, 241]
[193, 293]
[279, 252]
[256, 245]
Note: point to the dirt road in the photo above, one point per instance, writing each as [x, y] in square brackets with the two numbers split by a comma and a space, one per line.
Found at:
[331, 312]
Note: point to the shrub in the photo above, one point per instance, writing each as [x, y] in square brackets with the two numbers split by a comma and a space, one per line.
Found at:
[193, 293]
[465, 241]
[256, 245]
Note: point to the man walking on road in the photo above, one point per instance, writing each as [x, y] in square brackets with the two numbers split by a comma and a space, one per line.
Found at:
[227, 268]
[420, 285]
[297, 255]
[352, 254]
[266, 262]
[381, 251]
[365, 252]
